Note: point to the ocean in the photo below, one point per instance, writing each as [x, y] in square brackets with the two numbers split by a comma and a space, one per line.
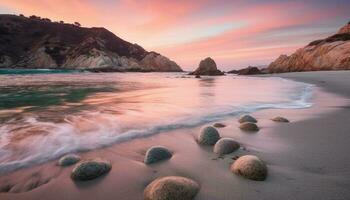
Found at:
[45, 114]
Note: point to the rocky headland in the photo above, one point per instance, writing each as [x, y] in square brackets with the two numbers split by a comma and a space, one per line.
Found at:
[331, 53]
[36, 43]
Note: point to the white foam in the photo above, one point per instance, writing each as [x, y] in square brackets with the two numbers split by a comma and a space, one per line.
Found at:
[101, 129]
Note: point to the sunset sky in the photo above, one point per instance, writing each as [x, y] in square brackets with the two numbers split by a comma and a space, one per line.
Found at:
[234, 33]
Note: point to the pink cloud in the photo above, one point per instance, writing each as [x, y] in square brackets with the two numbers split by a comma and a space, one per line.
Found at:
[233, 32]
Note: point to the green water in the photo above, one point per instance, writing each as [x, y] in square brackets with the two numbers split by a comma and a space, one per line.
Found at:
[38, 71]
[43, 96]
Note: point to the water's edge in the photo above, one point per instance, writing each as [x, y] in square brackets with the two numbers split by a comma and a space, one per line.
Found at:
[303, 100]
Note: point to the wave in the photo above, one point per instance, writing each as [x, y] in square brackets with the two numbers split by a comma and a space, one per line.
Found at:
[61, 141]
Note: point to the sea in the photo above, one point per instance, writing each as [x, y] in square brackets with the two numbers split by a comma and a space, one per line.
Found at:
[45, 114]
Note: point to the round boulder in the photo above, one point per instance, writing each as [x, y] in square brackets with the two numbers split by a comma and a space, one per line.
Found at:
[68, 159]
[219, 125]
[250, 167]
[208, 136]
[280, 119]
[226, 146]
[171, 188]
[156, 153]
[247, 118]
[248, 126]
[90, 169]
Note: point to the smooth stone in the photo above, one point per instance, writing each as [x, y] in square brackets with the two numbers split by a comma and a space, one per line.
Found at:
[250, 167]
[171, 188]
[156, 153]
[248, 126]
[226, 146]
[208, 136]
[280, 119]
[90, 169]
[219, 125]
[247, 118]
[68, 159]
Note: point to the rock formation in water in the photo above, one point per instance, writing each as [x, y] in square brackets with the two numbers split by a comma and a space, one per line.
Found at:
[207, 67]
[332, 53]
[249, 71]
[36, 42]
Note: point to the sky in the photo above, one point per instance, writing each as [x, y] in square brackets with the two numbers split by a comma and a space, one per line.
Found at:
[235, 33]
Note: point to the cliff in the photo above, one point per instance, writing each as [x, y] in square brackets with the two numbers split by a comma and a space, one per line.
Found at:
[39, 43]
[332, 53]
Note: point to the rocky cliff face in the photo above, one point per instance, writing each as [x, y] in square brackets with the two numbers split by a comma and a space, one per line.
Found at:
[332, 53]
[39, 43]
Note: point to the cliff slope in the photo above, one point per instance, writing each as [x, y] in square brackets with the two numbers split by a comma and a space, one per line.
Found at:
[332, 53]
[39, 43]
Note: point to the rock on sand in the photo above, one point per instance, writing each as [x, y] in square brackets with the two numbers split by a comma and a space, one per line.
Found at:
[68, 159]
[248, 126]
[171, 188]
[280, 119]
[208, 136]
[156, 153]
[226, 146]
[219, 125]
[250, 167]
[247, 118]
[90, 169]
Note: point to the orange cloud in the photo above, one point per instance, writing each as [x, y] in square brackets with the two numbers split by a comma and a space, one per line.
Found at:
[235, 33]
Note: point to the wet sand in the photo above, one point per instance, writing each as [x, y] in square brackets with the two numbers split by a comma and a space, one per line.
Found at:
[307, 158]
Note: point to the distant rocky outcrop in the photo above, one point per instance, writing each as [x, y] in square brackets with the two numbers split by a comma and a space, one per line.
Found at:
[332, 53]
[36, 42]
[207, 67]
[247, 71]
[234, 71]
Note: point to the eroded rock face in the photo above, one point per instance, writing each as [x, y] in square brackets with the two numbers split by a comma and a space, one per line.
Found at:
[38, 43]
[90, 169]
[332, 53]
[156, 62]
[171, 188]
[207, 67]
[156, 154]
[250, 167]
[5, 61]
[344, 29]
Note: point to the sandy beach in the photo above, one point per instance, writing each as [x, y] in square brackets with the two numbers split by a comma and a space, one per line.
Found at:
[307, 158]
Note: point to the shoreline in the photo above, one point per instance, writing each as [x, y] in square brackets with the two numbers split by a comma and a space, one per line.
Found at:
[305, 159]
